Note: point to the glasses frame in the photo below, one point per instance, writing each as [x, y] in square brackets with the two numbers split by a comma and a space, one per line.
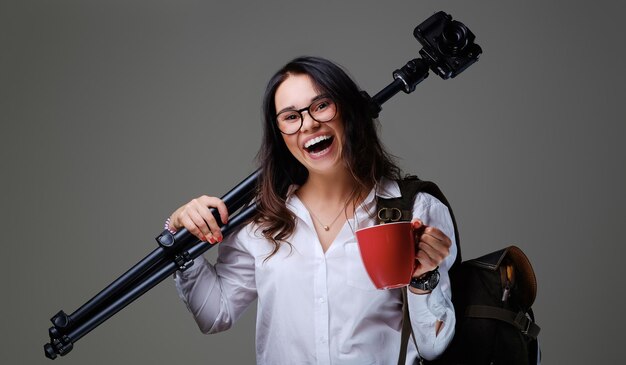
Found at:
[307, 109]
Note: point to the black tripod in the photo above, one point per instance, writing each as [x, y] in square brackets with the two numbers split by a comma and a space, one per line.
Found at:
[449, 49]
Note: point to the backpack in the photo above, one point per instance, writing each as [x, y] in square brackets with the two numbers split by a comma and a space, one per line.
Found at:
[492, 296]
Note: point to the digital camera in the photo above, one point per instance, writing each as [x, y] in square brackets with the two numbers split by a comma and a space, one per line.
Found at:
[449, 46]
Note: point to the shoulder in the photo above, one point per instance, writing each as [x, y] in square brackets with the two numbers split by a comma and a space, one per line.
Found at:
[425, 200]
[432, 212]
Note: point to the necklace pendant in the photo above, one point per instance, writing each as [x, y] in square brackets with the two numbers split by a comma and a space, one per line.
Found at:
[326, 228]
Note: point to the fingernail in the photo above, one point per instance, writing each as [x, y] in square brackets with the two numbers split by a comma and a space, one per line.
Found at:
[203, 238]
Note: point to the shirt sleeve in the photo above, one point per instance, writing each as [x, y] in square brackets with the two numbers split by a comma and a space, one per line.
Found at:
[425, 310]
[217, 295]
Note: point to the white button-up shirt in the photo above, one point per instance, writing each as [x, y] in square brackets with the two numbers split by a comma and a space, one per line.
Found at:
[317, 307]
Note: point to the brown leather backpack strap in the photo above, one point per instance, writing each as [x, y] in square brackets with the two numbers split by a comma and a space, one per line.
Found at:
[401, 208]
[407, 331]
[519, 320]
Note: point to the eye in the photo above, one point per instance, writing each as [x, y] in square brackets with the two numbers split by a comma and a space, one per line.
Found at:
[323, 104]
[289, 117]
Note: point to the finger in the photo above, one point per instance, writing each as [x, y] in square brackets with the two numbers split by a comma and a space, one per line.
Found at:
[197, 217]
[436, 233]
[417, 224]
[434, 248]
[203, 206]
[191, 226]
[442, 245]
[438, 249]
[426, 263]
[418, 230]
[431, 243]
[216, 203]
[212, 224]
[223, 210]
[436, 253]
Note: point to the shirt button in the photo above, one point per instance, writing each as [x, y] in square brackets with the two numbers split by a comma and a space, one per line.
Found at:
[321, 300]
[322, 339]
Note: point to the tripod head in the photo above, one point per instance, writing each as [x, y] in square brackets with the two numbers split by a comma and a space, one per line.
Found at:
[448, 49]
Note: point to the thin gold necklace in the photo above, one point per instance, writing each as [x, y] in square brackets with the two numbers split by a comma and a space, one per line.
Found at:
[325, 226]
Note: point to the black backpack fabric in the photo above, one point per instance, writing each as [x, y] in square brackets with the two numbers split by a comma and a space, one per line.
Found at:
[492, 295]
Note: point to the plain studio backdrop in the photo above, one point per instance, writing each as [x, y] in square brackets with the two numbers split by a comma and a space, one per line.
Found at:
[114, 113]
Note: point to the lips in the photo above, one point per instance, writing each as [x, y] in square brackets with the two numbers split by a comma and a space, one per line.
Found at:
[319, 145]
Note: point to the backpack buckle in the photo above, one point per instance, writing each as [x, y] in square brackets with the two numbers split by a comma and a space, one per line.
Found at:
[524, 322]
[386, 215]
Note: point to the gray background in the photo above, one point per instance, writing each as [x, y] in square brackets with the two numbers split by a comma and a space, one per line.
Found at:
[114, 113]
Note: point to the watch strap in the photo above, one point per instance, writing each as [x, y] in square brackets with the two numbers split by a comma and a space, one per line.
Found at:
[424, 282]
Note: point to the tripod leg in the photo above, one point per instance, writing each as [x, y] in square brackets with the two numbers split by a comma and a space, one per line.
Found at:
[62, 342]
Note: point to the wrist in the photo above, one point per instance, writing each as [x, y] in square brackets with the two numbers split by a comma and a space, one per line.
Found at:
[419, 291]
[425, 283]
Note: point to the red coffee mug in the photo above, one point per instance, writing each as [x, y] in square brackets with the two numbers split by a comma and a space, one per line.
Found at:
[388, 253]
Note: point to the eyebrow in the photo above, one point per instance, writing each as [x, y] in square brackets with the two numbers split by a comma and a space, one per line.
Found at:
[291, 107]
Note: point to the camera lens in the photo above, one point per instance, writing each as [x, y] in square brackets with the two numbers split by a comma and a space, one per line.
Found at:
[453, 38]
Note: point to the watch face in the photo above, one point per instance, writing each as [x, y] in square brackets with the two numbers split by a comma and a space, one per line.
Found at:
[433, 280]
[427, 282]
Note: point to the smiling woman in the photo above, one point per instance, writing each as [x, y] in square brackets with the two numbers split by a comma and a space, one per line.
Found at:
[323, 168]
[318, 145]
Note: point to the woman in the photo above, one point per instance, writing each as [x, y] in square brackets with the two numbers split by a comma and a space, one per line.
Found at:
[322, 168]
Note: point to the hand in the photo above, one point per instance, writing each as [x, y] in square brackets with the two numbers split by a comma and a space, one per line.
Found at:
[197, 218]
[432, 246]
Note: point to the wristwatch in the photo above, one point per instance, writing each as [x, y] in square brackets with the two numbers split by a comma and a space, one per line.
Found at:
[427, 281]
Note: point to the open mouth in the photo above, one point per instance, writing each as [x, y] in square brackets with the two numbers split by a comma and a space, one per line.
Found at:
[318, 145]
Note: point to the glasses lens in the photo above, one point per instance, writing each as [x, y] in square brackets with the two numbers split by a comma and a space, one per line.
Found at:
[323, 110]
[289, 121]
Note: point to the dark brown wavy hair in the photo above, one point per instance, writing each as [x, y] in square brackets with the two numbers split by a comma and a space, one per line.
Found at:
[363, 152]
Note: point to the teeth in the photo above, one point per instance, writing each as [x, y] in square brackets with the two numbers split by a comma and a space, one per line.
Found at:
[315, 140]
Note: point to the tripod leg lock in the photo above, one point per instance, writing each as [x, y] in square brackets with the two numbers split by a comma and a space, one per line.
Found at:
[183, 261]
[166, 239]
[61, 321]
[60, 343]
[58, 346]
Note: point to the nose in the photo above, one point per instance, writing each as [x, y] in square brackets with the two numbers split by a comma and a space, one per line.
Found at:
[308, 123]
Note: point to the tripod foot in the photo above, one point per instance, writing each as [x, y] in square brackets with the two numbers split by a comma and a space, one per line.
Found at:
[49, 351]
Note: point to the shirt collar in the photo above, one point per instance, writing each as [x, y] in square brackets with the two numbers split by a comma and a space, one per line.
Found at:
[385, 189]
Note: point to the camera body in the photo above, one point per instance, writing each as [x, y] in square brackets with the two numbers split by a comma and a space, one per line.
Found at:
[449, 46]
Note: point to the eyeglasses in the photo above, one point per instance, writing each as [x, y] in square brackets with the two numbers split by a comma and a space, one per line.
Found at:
[322, 110]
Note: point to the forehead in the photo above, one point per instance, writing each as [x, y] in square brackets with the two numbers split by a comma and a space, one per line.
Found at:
[296, 91]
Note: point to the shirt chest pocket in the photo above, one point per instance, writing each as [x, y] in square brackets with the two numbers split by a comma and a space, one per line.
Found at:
[356, 275]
